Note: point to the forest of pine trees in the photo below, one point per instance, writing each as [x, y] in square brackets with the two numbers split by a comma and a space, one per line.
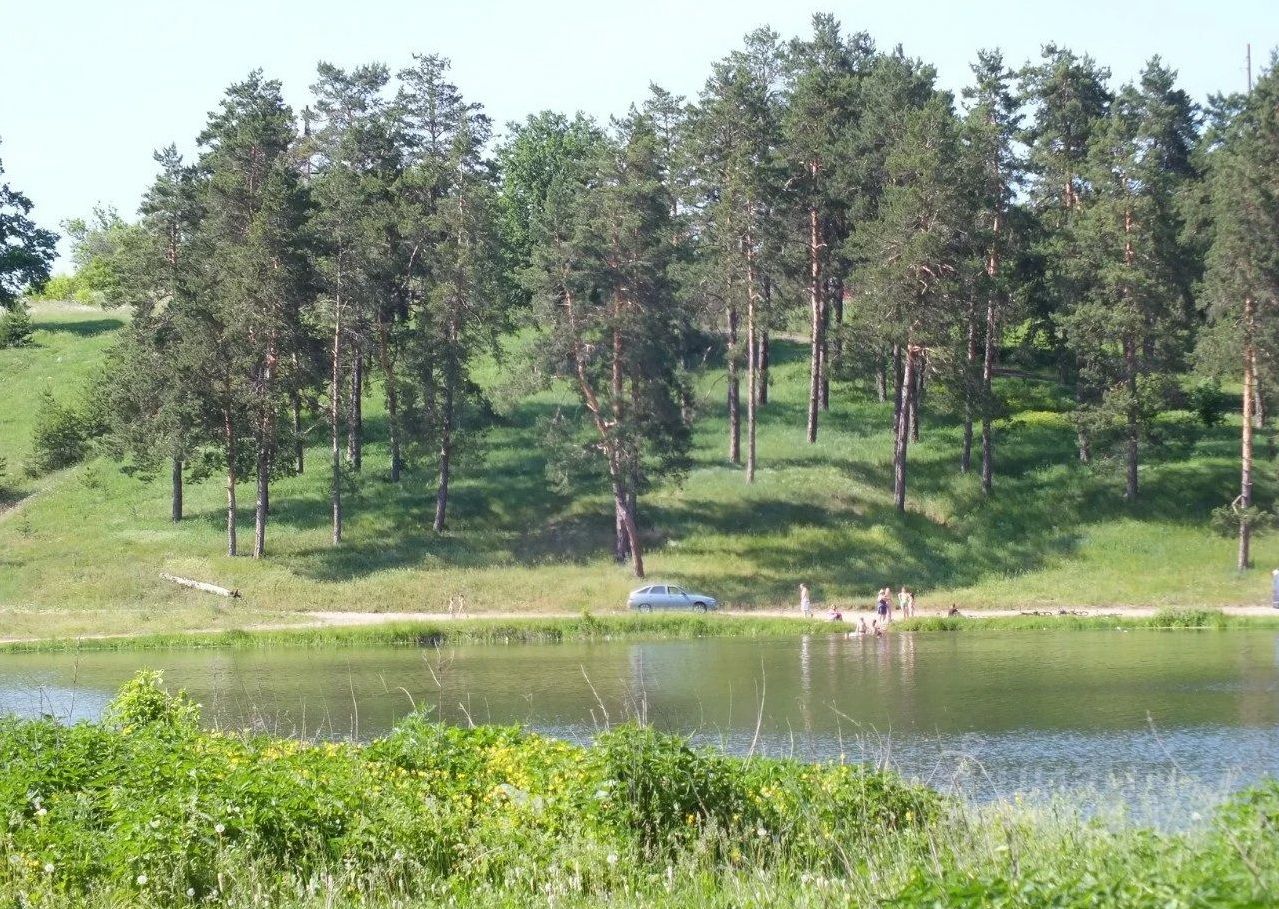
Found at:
[381, 241]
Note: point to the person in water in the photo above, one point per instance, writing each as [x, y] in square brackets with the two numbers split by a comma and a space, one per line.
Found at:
[862, 627]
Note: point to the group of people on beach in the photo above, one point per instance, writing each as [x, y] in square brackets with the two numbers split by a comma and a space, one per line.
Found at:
[884, 605]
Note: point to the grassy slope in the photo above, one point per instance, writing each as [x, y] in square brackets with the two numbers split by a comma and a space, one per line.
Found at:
[92, 545]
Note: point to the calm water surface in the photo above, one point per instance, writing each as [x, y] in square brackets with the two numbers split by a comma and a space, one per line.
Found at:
[1156, 717]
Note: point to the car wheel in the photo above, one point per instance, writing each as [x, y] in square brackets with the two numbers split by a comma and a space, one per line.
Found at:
[700, 607]
[644, 607]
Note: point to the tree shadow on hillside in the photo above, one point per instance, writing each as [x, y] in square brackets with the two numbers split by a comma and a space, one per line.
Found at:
[86, 328]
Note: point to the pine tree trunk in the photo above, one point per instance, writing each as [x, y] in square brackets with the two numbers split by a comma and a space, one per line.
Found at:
[902, 439]
[916, 396]
[355, 424]
[764, 353]
[825, 354]
[1249, 414]
[335, 422]
[987, 398]
[898, 378]
[752, 361]
[446, 459]
[392, 401]
[299, 449]
[834, 343]
[734, 392]
[767, 293]
[176, 511]
[1131, 442]
[970, 360]
[625, 518]
[232, 454]
[817, 318]
[1082, 440]
[263, 501]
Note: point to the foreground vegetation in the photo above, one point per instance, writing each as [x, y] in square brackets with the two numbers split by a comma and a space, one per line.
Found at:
[84, 553]
[147, 809]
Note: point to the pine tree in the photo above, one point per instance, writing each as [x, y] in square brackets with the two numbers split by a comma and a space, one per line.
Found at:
[256, 211]
[354, 156]
[152, 407]
[823, 109]
[1070, 98]
[990, 131]
[914, 251]
[736, 187]
[1242, 283]
[453, 224]
[601, 281]
[1129, 330]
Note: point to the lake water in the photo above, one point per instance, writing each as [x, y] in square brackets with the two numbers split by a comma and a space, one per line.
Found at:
[1160, 719]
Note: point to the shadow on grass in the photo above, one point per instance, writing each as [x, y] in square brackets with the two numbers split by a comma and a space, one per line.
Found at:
[86, 328]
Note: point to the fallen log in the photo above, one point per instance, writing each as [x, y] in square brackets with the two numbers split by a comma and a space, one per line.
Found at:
[200, 585]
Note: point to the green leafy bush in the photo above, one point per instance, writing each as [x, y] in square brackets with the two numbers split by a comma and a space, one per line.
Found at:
[60, 437]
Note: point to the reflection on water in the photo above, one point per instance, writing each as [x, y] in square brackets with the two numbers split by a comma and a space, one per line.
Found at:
[990, 713]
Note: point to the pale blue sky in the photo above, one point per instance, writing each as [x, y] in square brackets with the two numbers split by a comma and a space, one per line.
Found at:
[88, 88]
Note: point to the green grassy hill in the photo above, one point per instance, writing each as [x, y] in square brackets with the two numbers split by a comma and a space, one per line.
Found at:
[85, 551]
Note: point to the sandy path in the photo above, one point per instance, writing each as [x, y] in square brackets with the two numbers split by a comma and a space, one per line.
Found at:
[347, 619]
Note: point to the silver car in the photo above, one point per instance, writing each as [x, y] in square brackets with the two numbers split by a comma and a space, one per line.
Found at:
[668, 596]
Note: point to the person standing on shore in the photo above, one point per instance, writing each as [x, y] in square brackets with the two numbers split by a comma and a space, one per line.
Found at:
[1274, 592]
[883, 607]
[805, 602]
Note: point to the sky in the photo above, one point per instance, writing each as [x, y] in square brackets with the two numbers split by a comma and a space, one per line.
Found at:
[90, 88]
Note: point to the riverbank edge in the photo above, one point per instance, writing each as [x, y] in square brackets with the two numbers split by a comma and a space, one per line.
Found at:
[624, 626]
[441, 632]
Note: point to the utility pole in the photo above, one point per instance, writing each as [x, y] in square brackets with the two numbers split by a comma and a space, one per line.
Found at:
[1248, 55]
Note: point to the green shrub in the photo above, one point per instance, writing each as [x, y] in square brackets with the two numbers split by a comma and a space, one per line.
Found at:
[59, 439]
[16, 327]
[143, 703]
[1208, 402]
[1188, 618]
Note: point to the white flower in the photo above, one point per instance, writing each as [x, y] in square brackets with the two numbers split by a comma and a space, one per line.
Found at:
[761, 833]
[612, 858]
[41, 812]
[219, 829]
[190, 891]
[142, 880]
[155, 823]
[48, 867]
